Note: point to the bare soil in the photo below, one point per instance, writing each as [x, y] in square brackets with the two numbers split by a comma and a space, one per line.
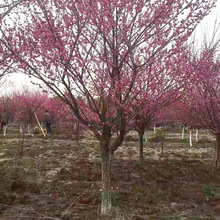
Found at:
[58, 179]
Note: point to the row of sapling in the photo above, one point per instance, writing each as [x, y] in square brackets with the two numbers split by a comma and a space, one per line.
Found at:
[160, 88]
[97, 50]
[204, 99]
[183, 115]
[200, 106]
[64, 120]
[7, 112]
[27, 104]
[25, 107]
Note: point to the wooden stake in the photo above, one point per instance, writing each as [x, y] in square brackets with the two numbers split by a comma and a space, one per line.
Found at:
[41, 129]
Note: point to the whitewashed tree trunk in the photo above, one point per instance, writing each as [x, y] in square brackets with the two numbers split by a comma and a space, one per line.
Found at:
[21, 129]
[197, 132]
[106, 204]
[154, 129]
[190, 138]
[183, 132]
[5, 130]
[29, 129]
[145, 136]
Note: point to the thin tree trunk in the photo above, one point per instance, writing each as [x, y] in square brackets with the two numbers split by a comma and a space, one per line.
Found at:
[22, 145]
[183, 132]
[29, 129]
[197, 132]
[21, 129]
[217, 151]
[145, 136]
[126, 141]
[141, 147]
[163, 140]
[5, 130]
[106, 204]
[190, 138]
[154, 129]
[77, 132]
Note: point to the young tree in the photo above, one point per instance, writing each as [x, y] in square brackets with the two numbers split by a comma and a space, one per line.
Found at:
[96, 50]
[164, 84]
[64, 120]
[204, 98]
[27, 103]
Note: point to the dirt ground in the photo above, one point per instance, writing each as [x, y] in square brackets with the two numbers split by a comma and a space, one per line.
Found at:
[58, 179]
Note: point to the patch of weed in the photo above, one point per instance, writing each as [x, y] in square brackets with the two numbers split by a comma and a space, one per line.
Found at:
[81, 176]
[138, 164]
[184, 140]
[172, 216]
[44, 190]
[173, 162]
[119, 199]
[211, 191]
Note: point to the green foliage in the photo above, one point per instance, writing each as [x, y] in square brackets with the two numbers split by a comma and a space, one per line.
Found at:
[193, 217]
[14, 169]
[138, 164]
[44, 190]
[138, 189]
[81, 147]
[172, 216]
[81, 176]
[159, 136]
[119, 199]
[160, 133]
[184, 140]
[173, 162]
[211, 191]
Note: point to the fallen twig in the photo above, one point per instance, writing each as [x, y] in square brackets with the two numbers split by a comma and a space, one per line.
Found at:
[73, 202]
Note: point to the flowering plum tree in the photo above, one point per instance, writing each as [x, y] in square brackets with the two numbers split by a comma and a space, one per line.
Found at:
[163, 85]
[5, 62]
[27, 103]
[6, 6]
[96, 50]
[7, 105]
[204, 98]
[64, 120]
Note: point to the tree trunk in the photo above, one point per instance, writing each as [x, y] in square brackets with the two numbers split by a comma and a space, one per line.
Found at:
[106, 154]
[190, 138]
[183, 132]
[106, 204]
[154, 129]
[163, 139]
[29, 129]
[217, 151]
[197, 132]
[141, 147]
[5, 127]
[77, 132]
[145, 136]
[21, 129]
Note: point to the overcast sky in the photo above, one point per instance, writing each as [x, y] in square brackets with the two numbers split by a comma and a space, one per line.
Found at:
[207, 24]
[205, 27]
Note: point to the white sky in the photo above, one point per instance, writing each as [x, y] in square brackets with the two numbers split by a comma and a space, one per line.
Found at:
[207, 24]
[205, 27]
